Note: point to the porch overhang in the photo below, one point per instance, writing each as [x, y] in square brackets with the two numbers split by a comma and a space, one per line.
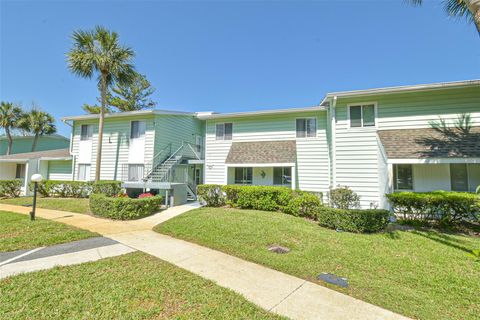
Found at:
[262, 153]
[430, 146]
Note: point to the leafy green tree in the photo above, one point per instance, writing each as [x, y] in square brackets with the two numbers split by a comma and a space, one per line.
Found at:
[10, 114]
[469, 9]
[134, 96]
[98, 52]
[37, 123]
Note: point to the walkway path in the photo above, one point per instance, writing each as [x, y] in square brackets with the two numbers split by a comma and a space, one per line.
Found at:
[272, 290]
[92, 249]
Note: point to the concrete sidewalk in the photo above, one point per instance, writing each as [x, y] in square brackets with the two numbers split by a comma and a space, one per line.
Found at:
[272, 290]
[75, 252]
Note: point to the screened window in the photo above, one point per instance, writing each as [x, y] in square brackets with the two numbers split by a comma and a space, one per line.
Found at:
[86, 132]
[282, 176]
[306, 128]
[135, 172]
[403, 176]
[223, 131]
[20, 171]
[362, 116]
[243, 175]
[137, 129]
[83, 172]
[459, 177]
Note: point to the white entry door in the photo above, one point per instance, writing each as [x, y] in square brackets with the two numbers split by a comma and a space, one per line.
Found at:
[85, 146]
[136, 149]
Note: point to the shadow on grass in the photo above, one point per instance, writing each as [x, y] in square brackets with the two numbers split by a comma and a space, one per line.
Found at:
[443, 239]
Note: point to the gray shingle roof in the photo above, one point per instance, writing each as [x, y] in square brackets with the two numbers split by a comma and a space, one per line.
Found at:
[263, 152]
[429, 143]
[57, 153]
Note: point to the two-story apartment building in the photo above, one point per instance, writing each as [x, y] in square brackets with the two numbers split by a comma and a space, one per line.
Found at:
[374, 141]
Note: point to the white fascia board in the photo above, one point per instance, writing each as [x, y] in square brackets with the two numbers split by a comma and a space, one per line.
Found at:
[55, 158]
[14, 160]
[260, 113]
[434, 161]
[260, 165]
[127, 114]
[399, 89]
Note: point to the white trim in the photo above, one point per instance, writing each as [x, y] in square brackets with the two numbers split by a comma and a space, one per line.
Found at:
[15, 160]
[361, 104]
[419, 87]
[258, 113]
[55, 158]
[333, 130]
[434, 161]
[259, 165]
[128, 114]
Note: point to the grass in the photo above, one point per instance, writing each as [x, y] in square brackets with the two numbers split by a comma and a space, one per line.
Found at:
[18, 232]
[421, 274]
[78, 205]
[133, 286]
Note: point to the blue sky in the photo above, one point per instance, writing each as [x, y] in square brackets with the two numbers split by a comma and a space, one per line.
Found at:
[235, 56]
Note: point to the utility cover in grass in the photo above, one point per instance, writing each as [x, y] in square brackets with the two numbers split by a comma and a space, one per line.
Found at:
[333, 279]
[278, 249]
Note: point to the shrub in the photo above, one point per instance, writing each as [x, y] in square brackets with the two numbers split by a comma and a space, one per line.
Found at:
[343, 198]
[211, 194]
[353, 220]
[123, 208]
[303, 204]
[446, 207]
[10, 188]
[107, 187]
[267, 198]
[77, 189]
[145, 195]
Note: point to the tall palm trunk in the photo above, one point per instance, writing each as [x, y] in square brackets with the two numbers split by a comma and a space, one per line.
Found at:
[34, 144]
[103, 93]
[10, 140]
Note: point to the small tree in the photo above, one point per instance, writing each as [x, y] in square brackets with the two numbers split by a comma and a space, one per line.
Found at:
[37, 123]
[343, 198]
[9, 117]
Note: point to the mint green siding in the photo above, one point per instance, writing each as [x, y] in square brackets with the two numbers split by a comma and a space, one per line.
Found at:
[60, 170]
[358, 157]
[175, 129]
[312, 165]
[24, 144]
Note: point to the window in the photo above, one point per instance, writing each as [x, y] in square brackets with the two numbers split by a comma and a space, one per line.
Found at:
[403, 177]
[20, 172]
[362, 116]
[86, 132]
[223, 131]
[306, 128]
[282, 176]
[83, 172]
[137, 129]
[135, 172]
[243, 175]
[459, 177]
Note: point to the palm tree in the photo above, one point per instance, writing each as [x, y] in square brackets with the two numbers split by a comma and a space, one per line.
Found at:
[37, 123]
[98, 52]
[469, 9]
[9, 116]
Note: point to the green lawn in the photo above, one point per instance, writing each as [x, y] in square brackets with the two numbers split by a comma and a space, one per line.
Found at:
[18, 232]
[133, 286]
[421, 274]
[78, 205]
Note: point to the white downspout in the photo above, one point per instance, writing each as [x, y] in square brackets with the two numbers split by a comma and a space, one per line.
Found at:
[333, 116]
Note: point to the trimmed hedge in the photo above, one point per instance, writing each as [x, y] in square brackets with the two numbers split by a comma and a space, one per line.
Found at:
[77, 189]
[122, 208]
[304, 204]
[353, 220]
[10, 188]
[444, 206]
[211, 194]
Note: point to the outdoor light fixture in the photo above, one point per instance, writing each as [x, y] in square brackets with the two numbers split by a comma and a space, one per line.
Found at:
[36, 178]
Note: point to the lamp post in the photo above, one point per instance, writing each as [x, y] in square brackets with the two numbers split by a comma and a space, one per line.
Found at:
[36, 178]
